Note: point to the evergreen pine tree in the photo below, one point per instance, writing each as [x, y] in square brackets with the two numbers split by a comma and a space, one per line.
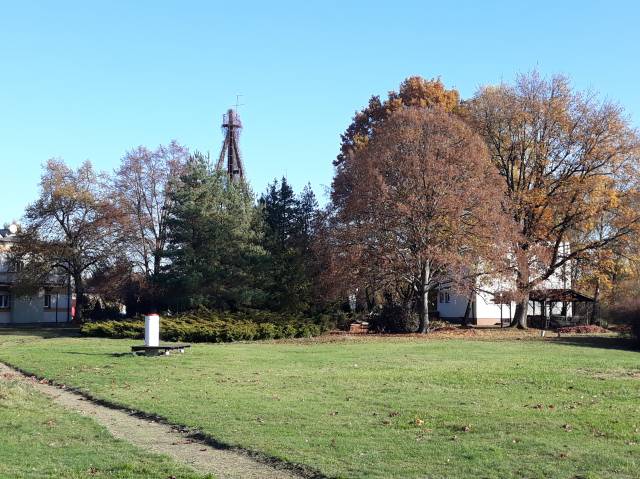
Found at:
[288, 226]
[214, 246]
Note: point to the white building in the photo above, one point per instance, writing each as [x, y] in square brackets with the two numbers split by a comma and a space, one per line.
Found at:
[51, 304]
[490, 304]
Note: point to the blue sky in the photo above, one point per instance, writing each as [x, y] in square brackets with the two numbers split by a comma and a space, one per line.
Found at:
[92, 79]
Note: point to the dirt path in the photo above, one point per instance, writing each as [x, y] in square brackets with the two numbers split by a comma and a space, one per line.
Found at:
[157, 437]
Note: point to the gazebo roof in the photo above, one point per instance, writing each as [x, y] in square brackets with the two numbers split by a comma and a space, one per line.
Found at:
[565, 295]
[551, 294]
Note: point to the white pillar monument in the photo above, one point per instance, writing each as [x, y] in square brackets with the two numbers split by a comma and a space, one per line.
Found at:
[152, 330]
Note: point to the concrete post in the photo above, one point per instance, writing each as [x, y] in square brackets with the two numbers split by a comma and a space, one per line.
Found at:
[152, 330]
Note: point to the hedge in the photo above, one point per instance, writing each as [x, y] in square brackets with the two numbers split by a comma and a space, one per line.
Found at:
[213, 327]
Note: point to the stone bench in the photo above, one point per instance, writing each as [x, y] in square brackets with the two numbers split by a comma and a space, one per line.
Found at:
[163, 349]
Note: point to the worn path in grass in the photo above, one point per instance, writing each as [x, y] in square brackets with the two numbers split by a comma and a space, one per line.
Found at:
[507, 405]
[157, 437]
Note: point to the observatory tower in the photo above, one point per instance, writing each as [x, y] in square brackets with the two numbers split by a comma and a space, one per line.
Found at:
[230, 153]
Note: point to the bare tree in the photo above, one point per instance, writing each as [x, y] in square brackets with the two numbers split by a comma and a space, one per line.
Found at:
[143, 184]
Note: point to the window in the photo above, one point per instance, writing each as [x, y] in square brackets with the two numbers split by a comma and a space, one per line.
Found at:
[444, 297]
[47, 301]
[4, 301]
[16, 266]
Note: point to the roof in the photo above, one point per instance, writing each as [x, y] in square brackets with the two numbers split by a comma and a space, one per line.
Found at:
[567, 295]
[550, 294]
[6, 236]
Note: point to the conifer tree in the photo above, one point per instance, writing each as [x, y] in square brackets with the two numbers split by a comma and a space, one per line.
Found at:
[288, 223]
[214, 246]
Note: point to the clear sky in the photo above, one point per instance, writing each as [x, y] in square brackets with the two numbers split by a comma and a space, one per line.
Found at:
[92, 79]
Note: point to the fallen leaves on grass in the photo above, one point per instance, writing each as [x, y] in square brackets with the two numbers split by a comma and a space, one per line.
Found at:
[584, 329]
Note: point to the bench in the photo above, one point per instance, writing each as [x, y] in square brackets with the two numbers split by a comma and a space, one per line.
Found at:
[359, 328]
[164, 349]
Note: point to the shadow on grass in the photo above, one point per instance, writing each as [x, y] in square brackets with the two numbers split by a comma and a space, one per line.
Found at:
[109, 355]
[602, 342]
[44, 332]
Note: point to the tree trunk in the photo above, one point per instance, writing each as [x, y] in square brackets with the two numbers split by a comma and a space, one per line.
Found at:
[522, 282]
[467, 311]
[595, 313]
[78, 287]
[370, 299]
[157, 263]
[423, 298]
[520, 315]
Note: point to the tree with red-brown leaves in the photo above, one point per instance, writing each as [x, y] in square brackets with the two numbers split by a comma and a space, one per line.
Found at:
[423, 206]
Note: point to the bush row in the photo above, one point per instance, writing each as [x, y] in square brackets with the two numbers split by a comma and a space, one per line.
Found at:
[214, 327]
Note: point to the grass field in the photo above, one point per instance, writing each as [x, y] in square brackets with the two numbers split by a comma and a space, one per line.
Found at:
[41, 440]
[381, 408]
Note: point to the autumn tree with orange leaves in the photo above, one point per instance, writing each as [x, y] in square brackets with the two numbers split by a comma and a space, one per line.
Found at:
[568, 162]
[414, 91]
[423, 204]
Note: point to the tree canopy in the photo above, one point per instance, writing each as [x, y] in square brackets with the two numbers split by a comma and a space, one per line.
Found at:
[422, 206]
[71, 227]
[214, 245]
[568, 162]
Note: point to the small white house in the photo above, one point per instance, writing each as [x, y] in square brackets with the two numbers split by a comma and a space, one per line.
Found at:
[489, 303]
[51, 304]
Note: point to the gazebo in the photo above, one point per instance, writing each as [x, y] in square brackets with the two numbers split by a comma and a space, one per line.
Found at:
[575, 307]
[559, 306]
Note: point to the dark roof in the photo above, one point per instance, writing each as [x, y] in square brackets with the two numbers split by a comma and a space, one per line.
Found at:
[568, 295]
[551, 294]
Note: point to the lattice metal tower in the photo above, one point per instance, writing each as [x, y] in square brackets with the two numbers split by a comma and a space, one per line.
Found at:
[230, 152]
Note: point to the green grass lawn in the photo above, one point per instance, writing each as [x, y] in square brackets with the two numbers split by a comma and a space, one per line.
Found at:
[41, 440]
[381, 408]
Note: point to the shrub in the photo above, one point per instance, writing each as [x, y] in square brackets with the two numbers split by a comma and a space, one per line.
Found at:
[393, 318]
[214, 327]
[627, 312]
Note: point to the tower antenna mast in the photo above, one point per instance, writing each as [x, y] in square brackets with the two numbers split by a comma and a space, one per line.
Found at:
[230, 152]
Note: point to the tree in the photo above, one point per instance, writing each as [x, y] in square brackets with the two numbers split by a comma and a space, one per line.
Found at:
[143, 185]
[414, 91]
[213, 240]
[424, 204]
[288, 234]
[566, 160]
[70, 227]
